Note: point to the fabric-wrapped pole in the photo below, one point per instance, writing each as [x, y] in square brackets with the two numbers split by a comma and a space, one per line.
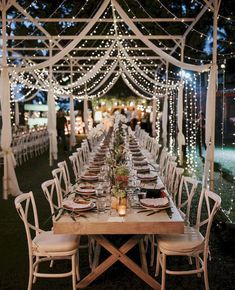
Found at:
[51, 126]
[85, 110]
[10, 183]
[154, 116]
[51, 122]
[164, 121]
[210, 123]
[180, 135]
[72, 123]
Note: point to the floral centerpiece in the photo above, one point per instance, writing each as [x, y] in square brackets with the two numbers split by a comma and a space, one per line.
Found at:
[121, 176]
[118, 170]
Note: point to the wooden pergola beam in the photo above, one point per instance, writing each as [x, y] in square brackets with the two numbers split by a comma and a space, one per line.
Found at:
[102, 71]
[86, 57]
[90, 37]
[139, 48]
[104, 20]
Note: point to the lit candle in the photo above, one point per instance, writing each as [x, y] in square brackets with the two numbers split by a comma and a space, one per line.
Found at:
[122, 210]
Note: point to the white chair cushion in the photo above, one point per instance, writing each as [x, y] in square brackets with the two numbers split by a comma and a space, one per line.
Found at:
[191, 241]
[49, 242]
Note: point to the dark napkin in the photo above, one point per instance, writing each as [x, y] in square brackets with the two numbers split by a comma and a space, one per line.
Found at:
[153, 193]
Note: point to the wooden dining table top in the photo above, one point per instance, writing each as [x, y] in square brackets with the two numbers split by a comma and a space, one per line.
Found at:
[136, 221]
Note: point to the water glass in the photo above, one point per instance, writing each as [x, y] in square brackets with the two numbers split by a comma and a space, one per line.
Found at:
[133, 199]
[101, 204]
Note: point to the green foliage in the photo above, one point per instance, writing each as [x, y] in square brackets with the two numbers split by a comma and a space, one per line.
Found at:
[122, 170]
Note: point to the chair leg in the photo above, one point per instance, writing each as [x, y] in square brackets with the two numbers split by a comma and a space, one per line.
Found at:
[198, 266]
[35, 270]
[157, 263]
[206, 275]
[74, 271]
[77, 267]
[163, 272]
[30, 282]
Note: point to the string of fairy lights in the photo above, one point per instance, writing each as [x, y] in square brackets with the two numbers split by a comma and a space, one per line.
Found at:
[201, 34]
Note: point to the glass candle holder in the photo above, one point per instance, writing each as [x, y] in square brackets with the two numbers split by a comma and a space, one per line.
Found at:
[121, 210]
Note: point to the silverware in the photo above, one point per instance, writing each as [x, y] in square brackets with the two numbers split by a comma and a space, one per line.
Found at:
[81, 215]
[153, 212]
[144, 210]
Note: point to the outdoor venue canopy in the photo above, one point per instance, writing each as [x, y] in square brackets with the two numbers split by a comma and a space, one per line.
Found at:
[111, 43]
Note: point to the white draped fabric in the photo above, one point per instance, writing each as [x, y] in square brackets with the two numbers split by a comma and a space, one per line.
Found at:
[210, 122]
[100, 84]
[180, 135]
[124, 77]
[51, 126]
[165, 121]
[85, 113]
[10, 183]
[17, 117]
[93, 71]
[108, 87]
[72, 123]
[141, 72]
[54, 59]
[154, 117]
[157, 50]
[129, 76]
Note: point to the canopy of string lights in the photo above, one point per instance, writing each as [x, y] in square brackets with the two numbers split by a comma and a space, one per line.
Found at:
[161, 50]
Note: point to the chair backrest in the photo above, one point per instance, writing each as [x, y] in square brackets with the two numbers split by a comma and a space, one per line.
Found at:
[210, 202]
[155, 150]
[187, 190]
[64, 166]
[61, 180]
[53, 195]
[75, 165]
[163, 159]
[165, 168]
[169, 175]
[85, 152]
[82, 163]
[27, 210]
[176, 182]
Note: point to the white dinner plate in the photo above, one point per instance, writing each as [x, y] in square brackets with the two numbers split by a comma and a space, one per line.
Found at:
[73, 206]
[147, 177]
[165, 203]
[156, 208]
[85, 191]
[89, 177]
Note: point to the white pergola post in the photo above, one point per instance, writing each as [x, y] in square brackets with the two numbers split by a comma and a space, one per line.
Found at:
[51, 122]
[154, 107]
[10, 183]
[211, 106]
[165, 112]
[85, 110]
[72, 116]
[180, 110]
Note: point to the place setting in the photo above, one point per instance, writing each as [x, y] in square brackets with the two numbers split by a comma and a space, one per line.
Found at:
[154, 205]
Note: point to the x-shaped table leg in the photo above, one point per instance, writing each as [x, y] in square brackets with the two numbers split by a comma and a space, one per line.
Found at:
[118, 254]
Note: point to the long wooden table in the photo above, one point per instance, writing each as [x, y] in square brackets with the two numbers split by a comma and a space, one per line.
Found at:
[134, 223]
